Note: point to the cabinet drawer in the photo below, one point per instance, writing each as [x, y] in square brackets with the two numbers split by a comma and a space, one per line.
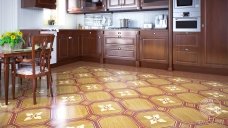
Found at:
[120, 33]
[120, 40]
[153, 33]
[91, 32]
[184, 57]
[120, 54]
[120, 47]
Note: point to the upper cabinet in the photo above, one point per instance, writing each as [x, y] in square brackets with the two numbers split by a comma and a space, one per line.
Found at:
[51, 4]
[153, 4]
[83, 6]
[122, 4]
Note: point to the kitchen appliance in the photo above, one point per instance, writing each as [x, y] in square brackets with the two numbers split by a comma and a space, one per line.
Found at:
[161, 22]
[54, 52]
[124, 23]
[186, 5]
[186, 16]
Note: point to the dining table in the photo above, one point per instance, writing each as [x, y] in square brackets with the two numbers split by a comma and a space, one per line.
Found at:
[6, 56]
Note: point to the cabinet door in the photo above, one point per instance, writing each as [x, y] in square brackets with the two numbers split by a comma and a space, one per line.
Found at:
[74, 41]
[91, 46]
[74, 6]
[215, 33]
[149, 4]
[63, 42]
[90, 5]
[112, 4]
[129, 3]
[186, 48]
[154, 49]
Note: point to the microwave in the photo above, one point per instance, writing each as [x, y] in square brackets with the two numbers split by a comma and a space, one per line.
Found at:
[186, 5]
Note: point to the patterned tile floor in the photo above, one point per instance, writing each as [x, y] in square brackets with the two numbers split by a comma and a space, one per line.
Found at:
[90, 95]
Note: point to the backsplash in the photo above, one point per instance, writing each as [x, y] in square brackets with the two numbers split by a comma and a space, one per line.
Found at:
[137, 19]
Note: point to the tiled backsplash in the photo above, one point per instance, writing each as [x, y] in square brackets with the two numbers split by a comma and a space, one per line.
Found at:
[137, 19]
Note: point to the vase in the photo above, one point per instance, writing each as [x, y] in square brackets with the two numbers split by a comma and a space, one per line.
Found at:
[7, 47]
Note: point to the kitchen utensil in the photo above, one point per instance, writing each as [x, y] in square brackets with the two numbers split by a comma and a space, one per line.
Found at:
[124, 23]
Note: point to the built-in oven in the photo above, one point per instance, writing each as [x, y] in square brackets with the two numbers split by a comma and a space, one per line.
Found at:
[188, 24]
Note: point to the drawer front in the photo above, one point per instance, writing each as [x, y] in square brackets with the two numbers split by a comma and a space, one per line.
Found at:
[120, 54]
[120, 47]
[187, 57]
[120, 40]
[154, 33]
[91, 32]
[122, 33]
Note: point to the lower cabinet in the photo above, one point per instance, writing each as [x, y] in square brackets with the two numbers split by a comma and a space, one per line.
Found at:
[120, 45]
[154, 46]
[68, 45]
[186, 48]
[91, 44]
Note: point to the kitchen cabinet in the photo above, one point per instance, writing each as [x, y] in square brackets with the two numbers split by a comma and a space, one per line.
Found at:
[83, 6]
[186, 48]
[214, 33]
[122, 4]
[120, 45]
[50, 4]
[91, 41]
[154, 46]
[67, 45]
[154, 4]
[74, 6]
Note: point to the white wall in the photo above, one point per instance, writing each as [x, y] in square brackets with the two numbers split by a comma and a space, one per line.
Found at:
[8, 15]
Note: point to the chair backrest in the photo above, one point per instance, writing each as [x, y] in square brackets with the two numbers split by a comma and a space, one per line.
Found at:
[41, 49]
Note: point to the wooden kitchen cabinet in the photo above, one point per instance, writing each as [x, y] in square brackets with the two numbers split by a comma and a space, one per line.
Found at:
[186, 48]
[154, 4]
[83, 6]
[120, 45]
[50, 4]
[67, 45]
[122, 4]
[91, 41]
[74, 6]
[214, 33]
[154, 46]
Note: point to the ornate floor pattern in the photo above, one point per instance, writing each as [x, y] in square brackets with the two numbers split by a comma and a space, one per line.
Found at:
[102, 97]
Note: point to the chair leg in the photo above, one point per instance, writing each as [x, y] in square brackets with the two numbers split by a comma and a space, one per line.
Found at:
[48, 80]
[34, 83]
[13, 80]
[0, 71]
[50, 84]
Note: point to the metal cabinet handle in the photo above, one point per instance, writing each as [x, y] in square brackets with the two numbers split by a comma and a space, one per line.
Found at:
[99, 37]
[186, 49]
[203, 25]
[154, 33]
[119, 48]
[90, 32]
[69, 37]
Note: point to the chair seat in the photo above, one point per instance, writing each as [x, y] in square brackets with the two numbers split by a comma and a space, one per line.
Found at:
[27, 70]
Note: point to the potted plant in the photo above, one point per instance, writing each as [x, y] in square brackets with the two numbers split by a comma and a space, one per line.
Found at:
[11, 40]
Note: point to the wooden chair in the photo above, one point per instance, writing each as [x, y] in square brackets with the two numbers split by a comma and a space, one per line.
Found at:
[33, 71]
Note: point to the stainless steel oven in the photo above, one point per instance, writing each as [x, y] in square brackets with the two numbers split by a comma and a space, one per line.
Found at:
[188, 24]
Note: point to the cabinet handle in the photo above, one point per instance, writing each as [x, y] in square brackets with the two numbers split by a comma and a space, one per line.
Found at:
[154, 33]
[90, 32]
[203, 25]
[186, 49]
[103, 5]
[99, 37]
[119, 48]
[69, 37]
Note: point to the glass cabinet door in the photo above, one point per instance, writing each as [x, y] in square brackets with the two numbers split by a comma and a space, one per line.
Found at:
[94, 4]
[74, 6]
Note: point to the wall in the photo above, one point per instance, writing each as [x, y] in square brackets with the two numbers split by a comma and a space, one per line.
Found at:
[8, 15]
